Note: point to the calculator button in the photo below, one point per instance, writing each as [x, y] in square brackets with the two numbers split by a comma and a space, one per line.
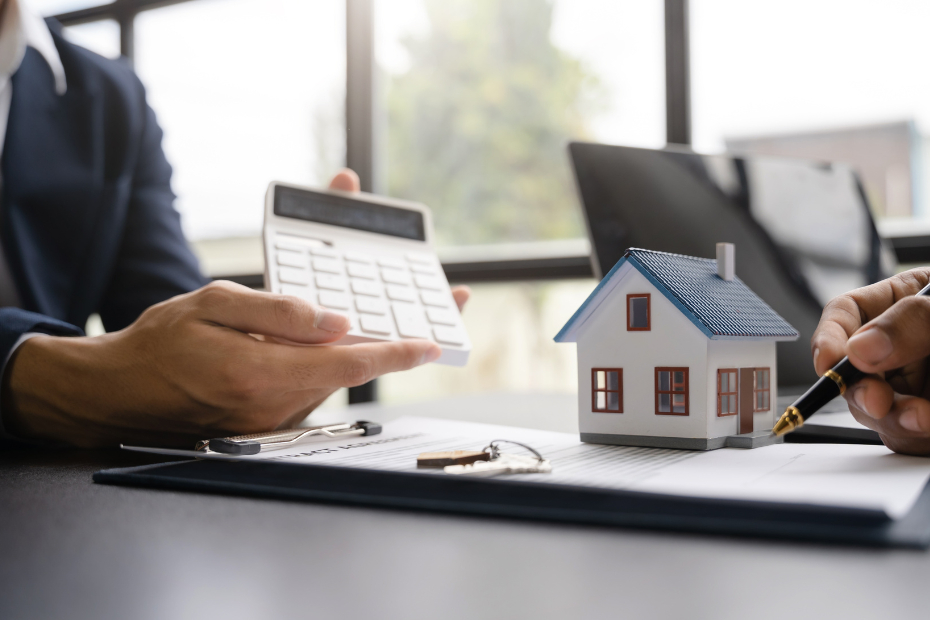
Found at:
[366, 287]
[396, 276]
[339, 301]
[324, 251]
[410, 323]
[432, 298]
[430, 282]
[449, 335]
[400, 293]
[333, 283]
[391, 262]
[292, 259]
[288, 245]
[327, 265]
[356, 257]
[441, 316]
[297, 244]
[361, 271]
[296, 291]
[290, 275]
[429, 270]
[419, 257]
[370, 306]
[375, 324]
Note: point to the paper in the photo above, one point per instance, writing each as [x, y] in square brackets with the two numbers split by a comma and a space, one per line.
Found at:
[854, 476]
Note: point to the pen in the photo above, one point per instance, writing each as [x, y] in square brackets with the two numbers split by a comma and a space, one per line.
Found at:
[276, 440]
[833, 383]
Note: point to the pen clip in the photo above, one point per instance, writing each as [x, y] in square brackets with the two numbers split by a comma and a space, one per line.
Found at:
[276, 440]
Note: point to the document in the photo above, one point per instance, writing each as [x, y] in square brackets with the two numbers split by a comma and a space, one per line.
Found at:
[835, 475]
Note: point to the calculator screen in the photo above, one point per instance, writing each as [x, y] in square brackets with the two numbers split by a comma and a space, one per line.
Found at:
[349, 213]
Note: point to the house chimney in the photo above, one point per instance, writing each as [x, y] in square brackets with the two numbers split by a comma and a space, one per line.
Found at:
[726, 261]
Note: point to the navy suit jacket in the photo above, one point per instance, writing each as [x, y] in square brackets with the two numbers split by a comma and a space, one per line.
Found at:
[86, 213]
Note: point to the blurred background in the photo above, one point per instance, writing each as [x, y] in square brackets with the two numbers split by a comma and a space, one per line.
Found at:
[467, 106]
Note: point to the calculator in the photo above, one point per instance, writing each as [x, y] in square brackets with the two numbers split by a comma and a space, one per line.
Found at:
[368, 257]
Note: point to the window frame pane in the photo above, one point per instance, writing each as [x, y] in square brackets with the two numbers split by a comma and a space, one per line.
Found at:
[638, 325]
[606, 398]
[676, 392]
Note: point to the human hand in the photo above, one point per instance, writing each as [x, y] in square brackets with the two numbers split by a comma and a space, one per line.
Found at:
[885, 331]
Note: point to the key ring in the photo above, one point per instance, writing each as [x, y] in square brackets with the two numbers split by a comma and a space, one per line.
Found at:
[495, 451]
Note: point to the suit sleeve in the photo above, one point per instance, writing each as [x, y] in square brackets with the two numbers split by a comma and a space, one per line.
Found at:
[155, 261]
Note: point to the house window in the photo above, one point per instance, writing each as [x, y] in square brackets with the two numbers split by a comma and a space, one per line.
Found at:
[727, 392]
[761, 390]
[638, 312]
[607, 390]
[671, 391]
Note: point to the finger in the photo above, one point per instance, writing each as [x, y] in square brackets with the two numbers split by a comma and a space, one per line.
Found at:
[899, 336]
[906, 428]
[346, 180]
[461, 294]
[871, 396]
[302, 368]
[280, 316]
[845, 314]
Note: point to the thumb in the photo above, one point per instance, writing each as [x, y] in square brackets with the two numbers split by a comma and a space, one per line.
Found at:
[346, 180]
[897, 337]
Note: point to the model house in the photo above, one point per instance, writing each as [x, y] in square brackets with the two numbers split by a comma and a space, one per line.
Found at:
[676, 352]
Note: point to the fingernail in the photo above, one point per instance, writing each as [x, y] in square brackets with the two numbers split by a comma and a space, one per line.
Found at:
[872, 345]
[432, 354]
[816, 355]
[909, 420]
[331, 321]
[858, 398]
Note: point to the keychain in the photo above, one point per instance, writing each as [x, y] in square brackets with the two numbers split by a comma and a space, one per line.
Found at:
[499, 463]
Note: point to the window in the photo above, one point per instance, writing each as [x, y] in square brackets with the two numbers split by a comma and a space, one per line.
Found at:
[607, 390]
[727, 392]
[671, 391]
[761, 391]
[638, 312]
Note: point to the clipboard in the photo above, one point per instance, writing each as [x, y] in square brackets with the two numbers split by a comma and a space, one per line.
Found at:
[506, 498]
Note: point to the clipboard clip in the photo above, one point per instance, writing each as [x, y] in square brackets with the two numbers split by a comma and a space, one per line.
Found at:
[277, 440]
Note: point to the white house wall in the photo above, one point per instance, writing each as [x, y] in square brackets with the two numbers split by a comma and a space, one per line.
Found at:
[604, 342]
[739, 354]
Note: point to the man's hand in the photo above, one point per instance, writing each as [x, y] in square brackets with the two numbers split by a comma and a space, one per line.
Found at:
[224, 360]
[885, 331]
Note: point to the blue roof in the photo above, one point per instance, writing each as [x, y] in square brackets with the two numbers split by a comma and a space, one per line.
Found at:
[722, 310]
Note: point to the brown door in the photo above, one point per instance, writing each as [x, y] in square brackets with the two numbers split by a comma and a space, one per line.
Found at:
[745, 400]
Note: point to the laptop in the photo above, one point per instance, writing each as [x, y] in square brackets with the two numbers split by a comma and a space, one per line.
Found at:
[803, 230]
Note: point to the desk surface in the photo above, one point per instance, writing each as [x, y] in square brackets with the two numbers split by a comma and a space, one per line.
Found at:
[73, 549]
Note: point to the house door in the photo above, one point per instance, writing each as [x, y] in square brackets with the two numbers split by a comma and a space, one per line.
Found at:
[745, 400]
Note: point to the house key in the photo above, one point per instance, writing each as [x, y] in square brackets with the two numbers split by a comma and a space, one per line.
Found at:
[500, 463]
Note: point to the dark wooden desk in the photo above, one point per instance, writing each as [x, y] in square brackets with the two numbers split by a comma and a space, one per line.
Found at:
[73, 549]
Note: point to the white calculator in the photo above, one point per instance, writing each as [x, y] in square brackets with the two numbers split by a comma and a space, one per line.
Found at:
[365, 256]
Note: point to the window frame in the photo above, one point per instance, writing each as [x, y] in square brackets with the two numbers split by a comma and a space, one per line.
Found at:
[629, 315]
[757, 390]
[686, 391]
[733, 393]
[595, 390]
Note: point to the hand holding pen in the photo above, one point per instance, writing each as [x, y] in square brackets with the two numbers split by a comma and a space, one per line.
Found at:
[884, 328]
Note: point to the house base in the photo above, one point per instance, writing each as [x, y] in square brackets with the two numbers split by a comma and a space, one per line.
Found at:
[757, 439]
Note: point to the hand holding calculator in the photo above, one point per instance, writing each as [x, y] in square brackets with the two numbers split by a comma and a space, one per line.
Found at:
[367, 257]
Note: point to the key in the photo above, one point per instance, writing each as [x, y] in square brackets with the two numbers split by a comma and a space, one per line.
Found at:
[410, 323]
[327, 265]
[357, 257]
[432, 298]
[449, 335]
[387, 261]
[333, 283]
[400, 293]
[297, 291]
[337, 301]
[357, 270]
[441, 316]
[396, 276]
[291, 275]
[429, 282]
[370, 306]
[504, 464]
[375, 324]
[324, 251]
[292, 259]
[419, 257]
[366, 287]
[451, 457]
[429, 270]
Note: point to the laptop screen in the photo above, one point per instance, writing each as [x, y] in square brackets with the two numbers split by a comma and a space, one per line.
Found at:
[803, 231]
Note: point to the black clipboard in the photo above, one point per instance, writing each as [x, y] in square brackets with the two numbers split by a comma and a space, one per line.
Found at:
[522, 499]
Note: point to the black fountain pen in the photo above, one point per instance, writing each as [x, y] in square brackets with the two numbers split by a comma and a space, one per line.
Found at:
[833, 383]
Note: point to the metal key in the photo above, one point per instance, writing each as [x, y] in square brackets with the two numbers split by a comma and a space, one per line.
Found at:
[504, 464]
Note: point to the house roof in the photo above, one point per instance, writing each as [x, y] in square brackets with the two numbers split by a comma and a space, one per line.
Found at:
[722, 310]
